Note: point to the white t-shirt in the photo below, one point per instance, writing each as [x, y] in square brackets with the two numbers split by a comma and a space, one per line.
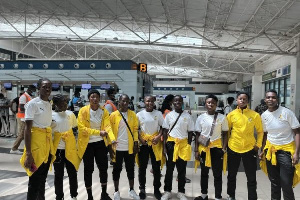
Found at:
[150, 121]
[39, 111]
[61, 122]
[227, 109]
[204, 123]
[95, 123]
[279, 125]
[183, 126]
[122, 134]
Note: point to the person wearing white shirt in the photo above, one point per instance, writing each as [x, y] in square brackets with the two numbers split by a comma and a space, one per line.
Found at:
[212, 155]
[95, 138]
[228, 107]
[150, 122]
[178, 131]
[38, 153]
[282, 145]
[64, 143]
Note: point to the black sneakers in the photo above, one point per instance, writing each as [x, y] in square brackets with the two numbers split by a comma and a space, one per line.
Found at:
[157, 194]
[142, 194]
[104, 196]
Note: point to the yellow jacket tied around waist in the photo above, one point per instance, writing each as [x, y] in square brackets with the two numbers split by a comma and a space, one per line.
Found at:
[41, 147]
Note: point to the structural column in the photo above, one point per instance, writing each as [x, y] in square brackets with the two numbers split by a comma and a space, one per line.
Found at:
[257, 86]
[295, 82]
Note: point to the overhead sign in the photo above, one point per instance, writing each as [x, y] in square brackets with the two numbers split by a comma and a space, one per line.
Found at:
[277, 73]
[143, 67]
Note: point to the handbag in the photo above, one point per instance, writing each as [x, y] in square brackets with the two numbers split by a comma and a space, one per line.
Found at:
[203, 140]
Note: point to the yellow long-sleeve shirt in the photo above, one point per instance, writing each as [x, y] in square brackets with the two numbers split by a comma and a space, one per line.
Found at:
[132, 121]
[85, 130]
[241, 125]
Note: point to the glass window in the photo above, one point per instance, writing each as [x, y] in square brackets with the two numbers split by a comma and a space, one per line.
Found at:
[281, 92]
[288, 93]
[276, 85]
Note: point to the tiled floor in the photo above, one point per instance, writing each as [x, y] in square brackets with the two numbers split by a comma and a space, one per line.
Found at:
[13, 181]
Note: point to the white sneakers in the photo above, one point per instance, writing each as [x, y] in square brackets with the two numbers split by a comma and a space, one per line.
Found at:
[73, 198]
[166, 196]
[16, 152]
[117, 196]
[132, 194]
[181, 196]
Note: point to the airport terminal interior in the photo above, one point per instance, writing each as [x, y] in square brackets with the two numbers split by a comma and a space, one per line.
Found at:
[191, 48]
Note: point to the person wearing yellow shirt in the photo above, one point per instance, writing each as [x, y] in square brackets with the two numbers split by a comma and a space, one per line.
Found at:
[242, 145]
[150, 122]
[178, 131]
[38, 153]
[282, 131]
[125, 128]
[64, 144]
[95, 137]
[212, 155]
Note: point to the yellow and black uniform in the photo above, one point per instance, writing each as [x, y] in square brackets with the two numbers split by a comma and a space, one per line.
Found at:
[91, 145]
[150, 123]
[124, 149]
[39, 111]
[179, 151]
[279, 149]
[64, 144]
[241, 123]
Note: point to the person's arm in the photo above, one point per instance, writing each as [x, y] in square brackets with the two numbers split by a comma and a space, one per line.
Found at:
[263, 145]
[295, 158]
[225, 140]
[260, 132]
[27, 138]
[197, 145]
[11, 106]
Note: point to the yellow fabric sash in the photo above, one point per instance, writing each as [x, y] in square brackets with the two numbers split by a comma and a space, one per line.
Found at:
[41, 147]
[271, 156]
[181, 149]
[70, 150]
[157, 149]
[214, 144]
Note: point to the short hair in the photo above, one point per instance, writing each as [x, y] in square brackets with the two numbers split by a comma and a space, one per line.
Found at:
[178, 96]
[242, 92]
[39, 83]
[123, 95]
[31, 87]
[110, 91]
[230, 100]
[148, 96]
[273, 91]
[214, 97]
[56, 98]
[93, 91]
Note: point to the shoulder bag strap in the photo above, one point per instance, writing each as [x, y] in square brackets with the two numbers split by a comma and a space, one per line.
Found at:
[213, 124]
[175, 122]
[126, 124]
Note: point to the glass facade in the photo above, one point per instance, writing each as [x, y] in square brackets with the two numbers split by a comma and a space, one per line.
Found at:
[283, 88]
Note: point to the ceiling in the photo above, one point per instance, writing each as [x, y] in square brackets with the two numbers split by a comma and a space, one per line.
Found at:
[209, 39]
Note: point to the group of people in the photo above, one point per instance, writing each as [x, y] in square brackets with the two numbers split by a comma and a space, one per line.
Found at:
[163, 137]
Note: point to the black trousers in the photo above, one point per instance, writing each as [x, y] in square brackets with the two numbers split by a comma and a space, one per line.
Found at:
[250, 164]
[129, 165]
[36, 184]
[145, 152]
[59, 166]
[217, 166]
[97, 151]
[181, 169]
[281, 176]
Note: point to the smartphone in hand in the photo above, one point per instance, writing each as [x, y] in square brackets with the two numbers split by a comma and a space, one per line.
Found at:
[33, 168]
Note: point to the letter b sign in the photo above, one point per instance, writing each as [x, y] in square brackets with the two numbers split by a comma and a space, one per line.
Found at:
[143, 67]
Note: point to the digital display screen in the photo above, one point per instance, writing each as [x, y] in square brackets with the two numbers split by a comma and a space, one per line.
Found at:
[86, 86]
[7, 85]
[55, 85]
[105, 86]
